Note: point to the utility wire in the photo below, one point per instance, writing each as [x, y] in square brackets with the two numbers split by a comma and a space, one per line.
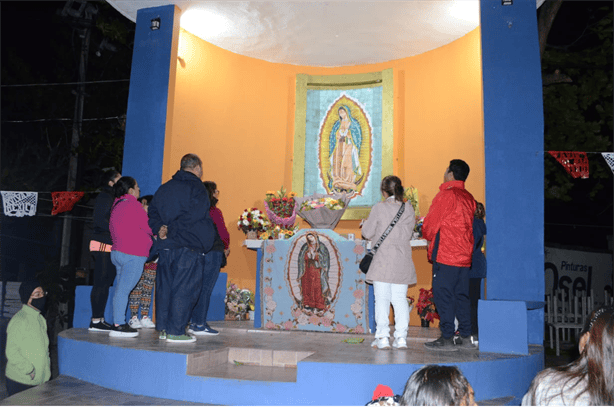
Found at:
[62, 120]
[64, 83]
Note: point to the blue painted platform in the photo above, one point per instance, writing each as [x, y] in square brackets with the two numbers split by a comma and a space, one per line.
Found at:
[247, 366]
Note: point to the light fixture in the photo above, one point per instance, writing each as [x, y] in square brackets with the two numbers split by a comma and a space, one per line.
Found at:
[507, 2]
[155, 23]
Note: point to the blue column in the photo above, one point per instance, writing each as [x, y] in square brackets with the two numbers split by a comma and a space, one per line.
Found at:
[151, 95]
[513, 140]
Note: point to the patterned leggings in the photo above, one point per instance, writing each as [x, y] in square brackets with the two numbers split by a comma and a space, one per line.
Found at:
[141, 294]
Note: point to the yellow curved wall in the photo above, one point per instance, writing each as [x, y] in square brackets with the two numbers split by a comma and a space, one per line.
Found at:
[237, 114]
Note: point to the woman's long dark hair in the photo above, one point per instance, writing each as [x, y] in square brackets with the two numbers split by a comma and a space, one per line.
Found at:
[211, 187]
[122, 186]
[593, 371]
[392, 186]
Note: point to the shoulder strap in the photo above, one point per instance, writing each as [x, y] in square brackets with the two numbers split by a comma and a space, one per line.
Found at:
[389, 228]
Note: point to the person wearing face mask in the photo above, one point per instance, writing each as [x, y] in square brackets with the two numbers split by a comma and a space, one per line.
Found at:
[27, 344]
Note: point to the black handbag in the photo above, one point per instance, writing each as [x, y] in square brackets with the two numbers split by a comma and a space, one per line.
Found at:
[366, 261]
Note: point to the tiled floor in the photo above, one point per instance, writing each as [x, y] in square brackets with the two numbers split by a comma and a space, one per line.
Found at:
[242, 352]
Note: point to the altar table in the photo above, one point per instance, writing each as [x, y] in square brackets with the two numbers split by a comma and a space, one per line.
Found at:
[285, 297]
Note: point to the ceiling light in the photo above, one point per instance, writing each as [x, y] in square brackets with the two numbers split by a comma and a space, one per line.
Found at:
[204, 23]
[467, 10]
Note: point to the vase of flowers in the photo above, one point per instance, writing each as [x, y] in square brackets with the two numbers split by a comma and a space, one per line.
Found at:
[251, 222]
[425, 307]
[281, 207]
[322, 211]
[239, 302]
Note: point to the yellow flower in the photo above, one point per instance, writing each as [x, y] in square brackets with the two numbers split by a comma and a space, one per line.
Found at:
[270, 192]
[291, 194]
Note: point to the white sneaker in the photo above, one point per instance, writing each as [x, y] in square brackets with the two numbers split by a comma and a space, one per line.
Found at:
[381, 343]
[135, 323]
[399, 343]
[147, 323]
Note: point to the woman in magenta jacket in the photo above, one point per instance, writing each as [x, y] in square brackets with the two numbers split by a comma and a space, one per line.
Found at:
[132, 239]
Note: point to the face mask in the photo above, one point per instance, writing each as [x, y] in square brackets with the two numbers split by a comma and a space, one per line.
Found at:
[39, 303]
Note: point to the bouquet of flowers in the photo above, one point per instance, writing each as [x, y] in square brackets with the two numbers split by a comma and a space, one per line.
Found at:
[323, 211]
[277, 232]
[410, 301]
[315, 203]
[425, 306]
[411, 195]
[281, 208]
[238, 301]
[251, 220]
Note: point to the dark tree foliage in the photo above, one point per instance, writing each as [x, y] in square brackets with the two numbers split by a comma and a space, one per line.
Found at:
[37, 120]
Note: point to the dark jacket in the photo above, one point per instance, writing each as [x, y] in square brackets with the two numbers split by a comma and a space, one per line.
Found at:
[449, 225]
[182, 204]
[478, 262]
[102, 213]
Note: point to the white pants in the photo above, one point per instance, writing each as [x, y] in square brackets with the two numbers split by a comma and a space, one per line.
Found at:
[386, 294]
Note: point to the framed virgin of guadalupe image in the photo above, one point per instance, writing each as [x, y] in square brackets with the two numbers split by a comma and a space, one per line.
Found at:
[343, 137]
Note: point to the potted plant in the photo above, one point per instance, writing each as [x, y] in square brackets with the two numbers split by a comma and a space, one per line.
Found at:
[426, 308]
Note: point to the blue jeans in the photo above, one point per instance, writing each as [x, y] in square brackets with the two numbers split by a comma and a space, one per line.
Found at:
[178, 284]
[213, 261]
[451, 297]
[129, 269]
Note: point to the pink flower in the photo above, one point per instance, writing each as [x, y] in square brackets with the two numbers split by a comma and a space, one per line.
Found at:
[358, 249]
[288, 325]
[359, 293]
[268, 291]
[340, 328]
[314, 320]
[296, 313]
[326, 321]
[269, 325]
[359, 329]
[270, 248]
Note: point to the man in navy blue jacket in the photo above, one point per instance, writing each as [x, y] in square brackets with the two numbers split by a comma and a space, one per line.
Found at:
[182, 205]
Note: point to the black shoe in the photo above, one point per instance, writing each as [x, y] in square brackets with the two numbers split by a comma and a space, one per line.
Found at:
[101, 326]
[442, 344]
[124, 331]
[465, 342]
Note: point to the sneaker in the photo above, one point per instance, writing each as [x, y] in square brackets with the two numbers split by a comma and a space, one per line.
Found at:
[201, 330]
[147, 323]
[135, 323]
[162, 335]
[465, 342]
[124, 331]
[381, 343]
[180, 338]
[101, 326]
[399, 343]
[442, 344]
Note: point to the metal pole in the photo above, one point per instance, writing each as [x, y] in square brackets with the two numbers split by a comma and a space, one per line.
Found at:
[74, 145]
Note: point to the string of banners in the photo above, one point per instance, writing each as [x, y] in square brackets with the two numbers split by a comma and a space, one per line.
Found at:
[20, 204]
[576, 162]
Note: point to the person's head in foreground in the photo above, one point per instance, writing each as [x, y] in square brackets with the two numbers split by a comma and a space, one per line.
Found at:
[588, 380]
[434, 385]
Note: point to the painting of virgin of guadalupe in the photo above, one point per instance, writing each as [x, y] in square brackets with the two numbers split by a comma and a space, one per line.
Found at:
[345, 141]
[312, 278]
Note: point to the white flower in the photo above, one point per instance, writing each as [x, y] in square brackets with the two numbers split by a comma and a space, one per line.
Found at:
[245, 222]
